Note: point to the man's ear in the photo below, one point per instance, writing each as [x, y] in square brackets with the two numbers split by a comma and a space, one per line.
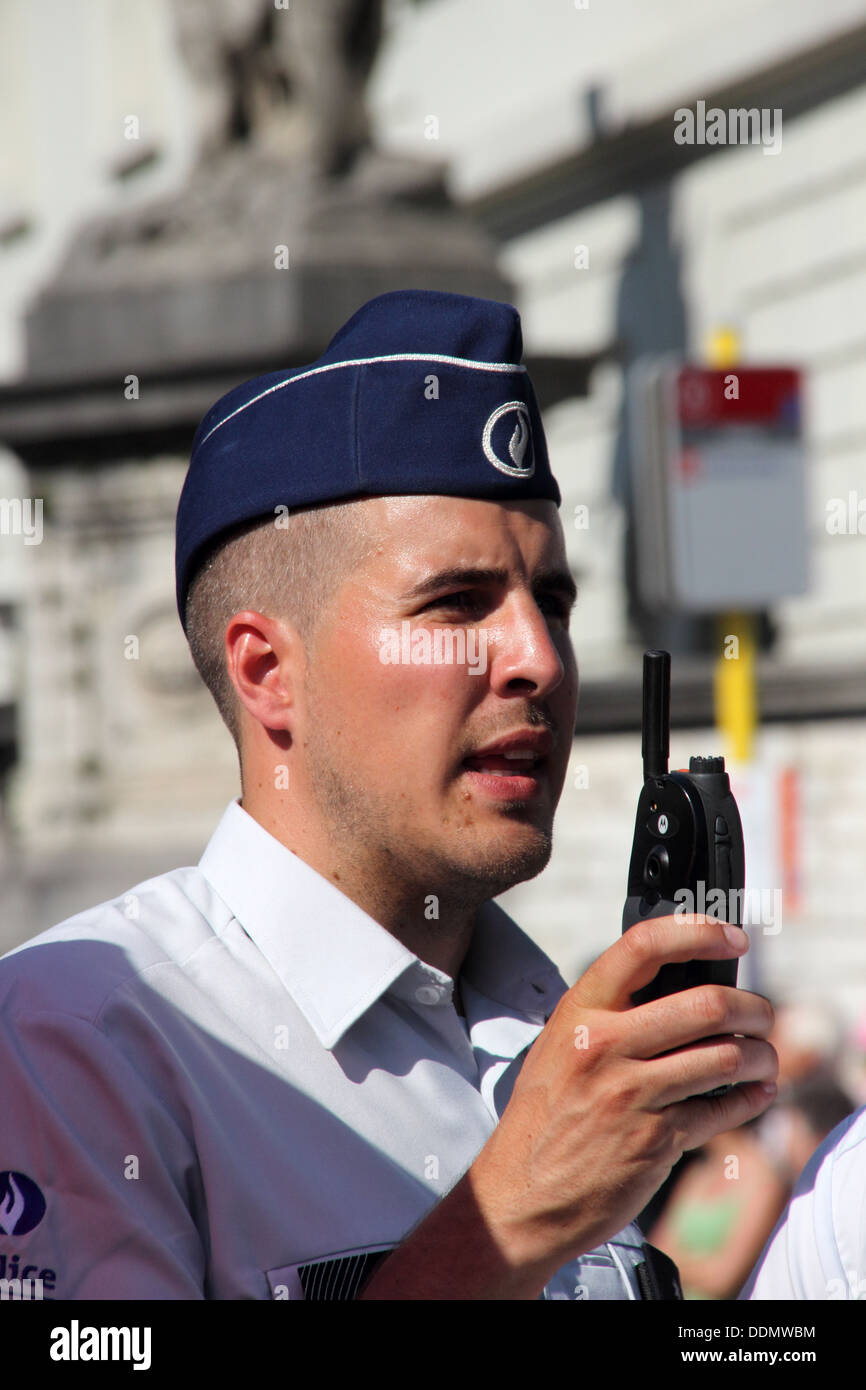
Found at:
[264, 659]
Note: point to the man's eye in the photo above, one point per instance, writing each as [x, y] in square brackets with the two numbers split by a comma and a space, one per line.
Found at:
[552, 604]
[559, 607]
[464, 598]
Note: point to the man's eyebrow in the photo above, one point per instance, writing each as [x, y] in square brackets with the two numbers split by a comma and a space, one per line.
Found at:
[548, 580]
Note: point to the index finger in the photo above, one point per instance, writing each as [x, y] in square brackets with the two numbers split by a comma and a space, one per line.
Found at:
[636, 958]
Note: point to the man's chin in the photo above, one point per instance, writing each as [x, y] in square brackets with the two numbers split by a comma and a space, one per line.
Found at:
[493, 868]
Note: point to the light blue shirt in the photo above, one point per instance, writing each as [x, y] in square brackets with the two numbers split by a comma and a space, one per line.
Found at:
[232, 1083]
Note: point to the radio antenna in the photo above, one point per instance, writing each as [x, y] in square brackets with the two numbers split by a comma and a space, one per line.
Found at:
[655, 738]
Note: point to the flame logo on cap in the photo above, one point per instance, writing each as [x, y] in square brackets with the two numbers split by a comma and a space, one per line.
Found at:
[518, 442]
[520, 450]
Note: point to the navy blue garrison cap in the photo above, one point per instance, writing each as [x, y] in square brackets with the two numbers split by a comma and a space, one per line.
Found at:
[420, 392]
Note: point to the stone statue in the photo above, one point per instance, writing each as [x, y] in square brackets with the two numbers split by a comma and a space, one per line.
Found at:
[284, 144]
[289, 217]
[260, 72]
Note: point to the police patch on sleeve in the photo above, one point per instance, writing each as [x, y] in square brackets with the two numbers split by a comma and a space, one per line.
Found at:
[22, 1205]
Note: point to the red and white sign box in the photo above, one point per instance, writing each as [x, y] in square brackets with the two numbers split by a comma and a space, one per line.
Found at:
[718, 472]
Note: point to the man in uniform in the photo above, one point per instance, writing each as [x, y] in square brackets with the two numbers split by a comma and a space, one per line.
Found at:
[324, 1063]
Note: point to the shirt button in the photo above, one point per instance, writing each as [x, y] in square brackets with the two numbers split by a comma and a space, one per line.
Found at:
[428, 994]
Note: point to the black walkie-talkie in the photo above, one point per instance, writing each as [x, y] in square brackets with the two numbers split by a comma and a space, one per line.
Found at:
[687, 854]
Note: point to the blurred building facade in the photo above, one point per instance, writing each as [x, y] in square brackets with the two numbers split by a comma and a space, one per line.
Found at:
[557, 135]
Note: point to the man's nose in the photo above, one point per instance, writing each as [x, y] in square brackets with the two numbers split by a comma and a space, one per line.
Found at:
[524, 650]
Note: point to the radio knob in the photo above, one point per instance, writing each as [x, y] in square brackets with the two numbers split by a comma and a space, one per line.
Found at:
[706, 764]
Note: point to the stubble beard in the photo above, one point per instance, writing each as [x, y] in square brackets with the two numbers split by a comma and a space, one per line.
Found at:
[372, 844]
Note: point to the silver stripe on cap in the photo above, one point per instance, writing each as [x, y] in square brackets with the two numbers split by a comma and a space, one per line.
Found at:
[363, 362]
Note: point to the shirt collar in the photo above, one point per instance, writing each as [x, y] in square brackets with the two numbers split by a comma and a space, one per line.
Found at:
[332, 957]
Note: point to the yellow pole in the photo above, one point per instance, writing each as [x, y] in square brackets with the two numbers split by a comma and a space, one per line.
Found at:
[735, 686]
[723, 348]
[735, 683]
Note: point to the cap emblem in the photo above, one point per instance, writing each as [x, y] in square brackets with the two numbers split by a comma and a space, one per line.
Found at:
[508, 430]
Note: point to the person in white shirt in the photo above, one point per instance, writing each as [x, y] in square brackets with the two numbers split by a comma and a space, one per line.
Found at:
[323, 1063]
[817, 1250]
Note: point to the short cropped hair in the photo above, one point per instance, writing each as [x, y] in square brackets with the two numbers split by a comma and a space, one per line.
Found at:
[288, 567]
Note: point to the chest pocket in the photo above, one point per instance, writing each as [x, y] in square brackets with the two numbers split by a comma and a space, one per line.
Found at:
[337, 1277]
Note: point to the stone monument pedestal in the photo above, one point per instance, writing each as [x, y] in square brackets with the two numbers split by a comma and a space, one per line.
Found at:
[255, 261]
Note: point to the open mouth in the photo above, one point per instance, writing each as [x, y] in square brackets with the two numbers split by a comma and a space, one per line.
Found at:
[509, 775]
[515, 764]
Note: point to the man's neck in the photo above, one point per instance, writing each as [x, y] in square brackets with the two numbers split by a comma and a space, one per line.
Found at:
[436, 931]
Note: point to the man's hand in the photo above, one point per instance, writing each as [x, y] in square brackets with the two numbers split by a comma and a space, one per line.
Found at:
[604, 1103]
[601, 1110]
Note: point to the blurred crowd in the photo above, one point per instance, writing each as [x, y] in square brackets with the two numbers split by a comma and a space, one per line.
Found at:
[721, 1202]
